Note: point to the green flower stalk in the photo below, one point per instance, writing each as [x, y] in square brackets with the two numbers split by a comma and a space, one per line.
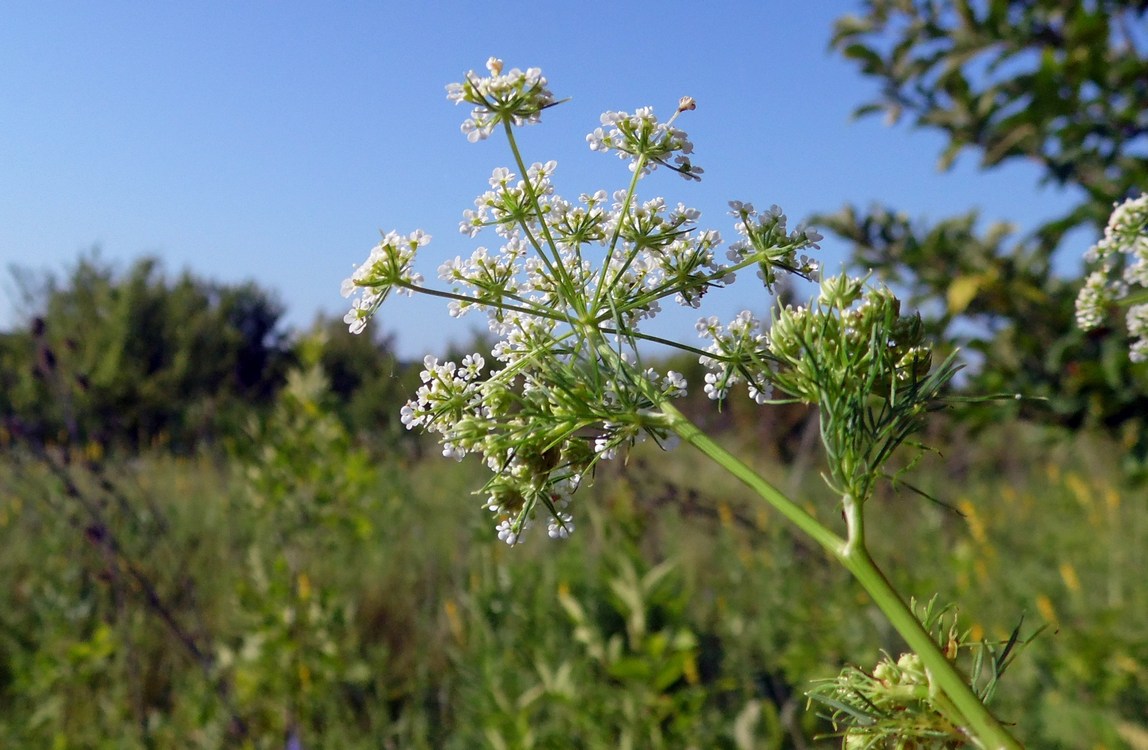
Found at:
[567, 294]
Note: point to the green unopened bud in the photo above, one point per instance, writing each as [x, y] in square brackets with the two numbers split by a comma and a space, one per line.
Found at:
[789, 330]
[840, 292]
[915, 364]
[578, 454]
[912, 670]
[885, 673]
[506, 496]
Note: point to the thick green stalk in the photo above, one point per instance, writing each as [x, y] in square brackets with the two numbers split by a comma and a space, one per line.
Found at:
[972, 711]
[855, 558]
[692, 434]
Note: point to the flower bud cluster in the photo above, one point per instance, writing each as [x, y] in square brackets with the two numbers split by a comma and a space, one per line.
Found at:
[907, 671]
[853, 336]
[1121, 264]
[865, 366]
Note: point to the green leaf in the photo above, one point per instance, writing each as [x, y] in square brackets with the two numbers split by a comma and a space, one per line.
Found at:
[962, 291]
[871, 62]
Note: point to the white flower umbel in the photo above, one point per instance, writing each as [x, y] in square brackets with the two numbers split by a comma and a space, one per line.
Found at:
[517, 98]
[1120, 260]
[388, 267]
[646, 142]
[764, 239]
[566, 287]
[737, 353]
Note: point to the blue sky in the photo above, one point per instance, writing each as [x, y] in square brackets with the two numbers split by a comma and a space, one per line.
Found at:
[272, 141]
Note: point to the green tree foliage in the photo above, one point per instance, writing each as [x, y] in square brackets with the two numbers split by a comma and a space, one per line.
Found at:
[367, 381]
[1060, 84]
[137, 357]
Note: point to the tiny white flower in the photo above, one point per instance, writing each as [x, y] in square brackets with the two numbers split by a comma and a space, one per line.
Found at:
[506, 534]
[561, 527]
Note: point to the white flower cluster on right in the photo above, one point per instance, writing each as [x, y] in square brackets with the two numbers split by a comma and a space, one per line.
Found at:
[1120, 259]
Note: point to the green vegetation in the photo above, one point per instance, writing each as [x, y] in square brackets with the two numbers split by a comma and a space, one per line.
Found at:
[1060, 85]
[217, 534]
[351, 601]
[133, 358]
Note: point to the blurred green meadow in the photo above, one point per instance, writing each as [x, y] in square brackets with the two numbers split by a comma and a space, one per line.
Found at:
[217, 535]
[293, 587]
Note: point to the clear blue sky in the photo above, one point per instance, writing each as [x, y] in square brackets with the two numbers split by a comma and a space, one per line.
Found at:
[271, 141]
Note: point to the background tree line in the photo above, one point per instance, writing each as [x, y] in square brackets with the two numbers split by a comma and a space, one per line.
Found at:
[133, 357]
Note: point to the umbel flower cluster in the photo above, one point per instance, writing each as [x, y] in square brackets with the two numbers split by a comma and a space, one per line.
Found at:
[1120, 276]
[567, 286]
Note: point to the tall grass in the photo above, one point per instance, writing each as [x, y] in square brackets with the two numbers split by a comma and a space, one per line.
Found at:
[678, 616]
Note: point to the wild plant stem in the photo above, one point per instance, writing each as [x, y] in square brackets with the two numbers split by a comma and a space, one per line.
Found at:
[692, 434]
[852, 553]
[973, 712]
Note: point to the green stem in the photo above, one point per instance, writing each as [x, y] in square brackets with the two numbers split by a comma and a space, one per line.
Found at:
[972, 711]
[527, 308]
[854, 556]
[553, 264]
[602, 287]
[690, 433]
